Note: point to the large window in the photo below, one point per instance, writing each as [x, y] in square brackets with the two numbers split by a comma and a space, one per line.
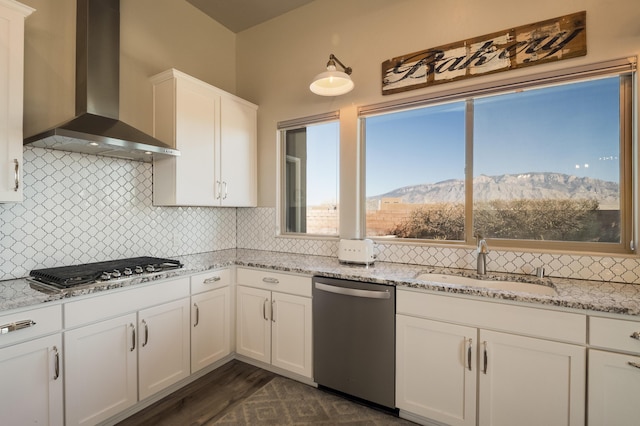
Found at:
[541, 165]
[309, 177]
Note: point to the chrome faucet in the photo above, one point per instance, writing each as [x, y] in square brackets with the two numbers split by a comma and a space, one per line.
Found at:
[481, 250]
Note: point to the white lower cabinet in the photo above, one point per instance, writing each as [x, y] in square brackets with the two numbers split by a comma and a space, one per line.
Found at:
[274, 327]
[436, 370]
[614, 372]
[527, 381]
[466, 374]
[111, 364]
[31, 367]
[211, 323]
[31, 375]
[101, 370]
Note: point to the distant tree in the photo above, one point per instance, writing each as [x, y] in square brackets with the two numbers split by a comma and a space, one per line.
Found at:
[440, 221]
[556, 220]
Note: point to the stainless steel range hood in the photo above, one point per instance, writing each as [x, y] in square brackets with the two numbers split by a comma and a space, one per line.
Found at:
[96, 129]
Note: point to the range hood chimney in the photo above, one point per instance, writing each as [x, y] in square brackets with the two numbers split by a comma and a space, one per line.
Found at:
[96, 129]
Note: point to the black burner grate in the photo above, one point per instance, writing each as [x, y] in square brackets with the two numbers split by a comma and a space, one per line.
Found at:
[69, 276]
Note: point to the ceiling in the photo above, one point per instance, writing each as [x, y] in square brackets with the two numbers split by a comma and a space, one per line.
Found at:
[238, 15]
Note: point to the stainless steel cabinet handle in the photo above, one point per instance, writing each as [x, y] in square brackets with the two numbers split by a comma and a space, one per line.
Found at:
[146, 333]
[219, 190]
[635, 335]
[56, 367]
[195, 305]
[226, 190]
[371, 294]
[273, 311]
[264, 309]
[486, 358]
[211, 280]
[634, 364]
[270, 280]
[16, 174]
[15, 326]
[469, 349]
[133, 337]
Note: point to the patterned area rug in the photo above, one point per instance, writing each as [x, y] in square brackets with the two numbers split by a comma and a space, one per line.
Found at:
[286, 402]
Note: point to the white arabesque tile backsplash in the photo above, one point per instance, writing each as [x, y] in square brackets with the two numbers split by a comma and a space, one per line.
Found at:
[81, 208]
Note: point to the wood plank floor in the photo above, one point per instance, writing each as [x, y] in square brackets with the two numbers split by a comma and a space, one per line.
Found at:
[206, 399]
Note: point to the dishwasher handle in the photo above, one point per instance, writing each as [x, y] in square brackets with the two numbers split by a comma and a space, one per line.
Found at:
[371, 294]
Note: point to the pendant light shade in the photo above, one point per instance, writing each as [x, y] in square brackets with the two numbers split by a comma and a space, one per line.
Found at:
[332, 82]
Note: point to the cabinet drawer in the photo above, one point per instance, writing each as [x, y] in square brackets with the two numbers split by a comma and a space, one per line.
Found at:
[614, 334]
[547, 324]
[45, 320]
[210, 280]
[278, 281]
[110, 304]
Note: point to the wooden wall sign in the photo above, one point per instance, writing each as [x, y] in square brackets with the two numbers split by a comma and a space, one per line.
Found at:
[547, 41]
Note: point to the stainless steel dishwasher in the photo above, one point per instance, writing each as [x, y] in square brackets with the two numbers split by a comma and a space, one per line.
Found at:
[354, 339]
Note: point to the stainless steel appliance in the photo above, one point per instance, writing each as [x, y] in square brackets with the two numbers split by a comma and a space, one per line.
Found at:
[84, 275]
[354, 339]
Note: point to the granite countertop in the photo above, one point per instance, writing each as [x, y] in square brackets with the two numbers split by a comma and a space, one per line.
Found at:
[598, 296]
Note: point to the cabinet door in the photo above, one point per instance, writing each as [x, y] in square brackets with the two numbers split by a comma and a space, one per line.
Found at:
[253, 326]
[291, 333]
[436, 370]
[31, 390]
[100, 370]
[210, 335]
[614, 386]
[163, 346]
[12, 15]
[238, 169]
[526, 381]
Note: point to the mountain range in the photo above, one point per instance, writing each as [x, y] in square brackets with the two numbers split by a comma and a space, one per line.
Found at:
[511, 186]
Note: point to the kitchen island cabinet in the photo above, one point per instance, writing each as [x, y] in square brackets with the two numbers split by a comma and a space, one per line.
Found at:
[31, 390]
[215, 133]
[448, 347]
[112, 362]
[12, 16]
[274, 319]
[614, 372]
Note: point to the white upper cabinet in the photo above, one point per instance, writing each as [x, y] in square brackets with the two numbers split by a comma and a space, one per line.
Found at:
[12, 16]
[215, 133]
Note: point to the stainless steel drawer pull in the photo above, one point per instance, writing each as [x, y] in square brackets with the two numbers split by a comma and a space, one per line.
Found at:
[211, 280]
[635, 335]
[15, 326]
[270, 280]
[634, 364]
[56, 367]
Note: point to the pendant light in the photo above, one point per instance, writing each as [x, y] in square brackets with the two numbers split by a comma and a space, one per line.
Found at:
[332, 82]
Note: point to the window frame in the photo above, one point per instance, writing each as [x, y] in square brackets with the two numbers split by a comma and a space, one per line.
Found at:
[282, 128]
[625, 68]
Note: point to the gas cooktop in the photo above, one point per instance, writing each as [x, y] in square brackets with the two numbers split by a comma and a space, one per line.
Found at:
[65, 277]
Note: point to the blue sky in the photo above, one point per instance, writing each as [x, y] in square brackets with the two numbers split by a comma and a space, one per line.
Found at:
[572, 129]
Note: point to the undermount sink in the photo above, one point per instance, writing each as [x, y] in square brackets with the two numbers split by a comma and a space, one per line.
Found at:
[515, 286]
